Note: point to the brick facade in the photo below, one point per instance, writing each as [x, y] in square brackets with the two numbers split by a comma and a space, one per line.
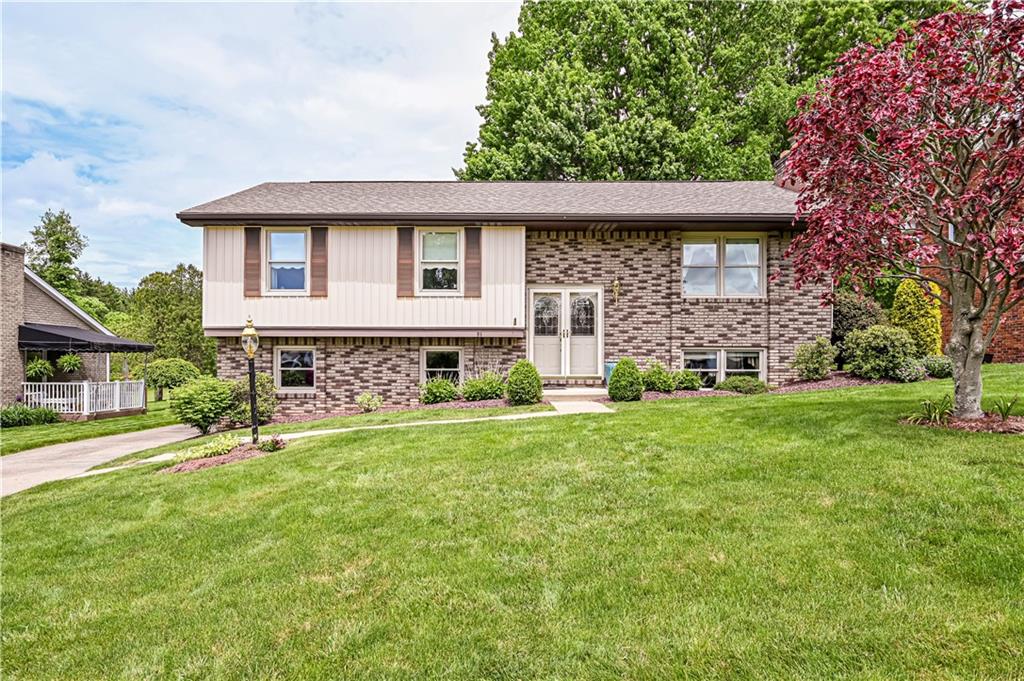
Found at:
[652, 321]
[346, 367]
[24, 301]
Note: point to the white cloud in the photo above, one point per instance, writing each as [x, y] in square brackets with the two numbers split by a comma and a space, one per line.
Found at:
[125, 114]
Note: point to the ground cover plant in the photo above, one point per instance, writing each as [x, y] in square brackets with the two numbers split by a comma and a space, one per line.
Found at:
[811, 535]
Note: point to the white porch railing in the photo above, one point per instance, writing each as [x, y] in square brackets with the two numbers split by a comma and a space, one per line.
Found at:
[86, 397]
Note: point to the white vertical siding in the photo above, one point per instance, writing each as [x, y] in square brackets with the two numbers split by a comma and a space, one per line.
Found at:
[362, 291]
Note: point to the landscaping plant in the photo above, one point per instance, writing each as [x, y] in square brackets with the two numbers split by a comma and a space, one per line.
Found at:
[748, 385]
[438, 390]
[933, 412]
[853, 312]
[815, 361]
[369, 402]
[274, 443]
[626, 383]
[657, 378]
[69, 363]
[38, 369]
[15, 415]
[938, 366]
[487, 386]
[218, 446]
[167, 374]
[909, 159]
[910, 370]
[202, 403]
[1004, 406]
[878, 352]
[920, 314]
[240, 413]
[524, 384]
[686, 380]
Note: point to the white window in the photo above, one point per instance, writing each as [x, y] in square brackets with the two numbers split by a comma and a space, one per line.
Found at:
[723, 266]
[287, 256]
[295, 368]
[714, 366]
[439, 265]
[441, 363]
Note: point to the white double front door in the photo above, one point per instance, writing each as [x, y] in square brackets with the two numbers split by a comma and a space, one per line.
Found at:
[565, 330]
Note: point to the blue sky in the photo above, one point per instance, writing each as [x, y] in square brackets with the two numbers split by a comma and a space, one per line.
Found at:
[125, 114]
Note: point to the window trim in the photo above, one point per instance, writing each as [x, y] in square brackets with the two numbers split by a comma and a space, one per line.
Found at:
[277, 369]
[720, 352]
[460, 261]
[424, 349]
[267, 262]
[720, 239]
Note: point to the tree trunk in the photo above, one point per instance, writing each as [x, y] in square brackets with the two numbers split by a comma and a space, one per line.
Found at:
[967, 350]
[160, 394]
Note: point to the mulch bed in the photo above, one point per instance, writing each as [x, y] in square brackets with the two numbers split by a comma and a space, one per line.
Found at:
[457, 404]
[240, 453]
[838, 379]
[991, 423]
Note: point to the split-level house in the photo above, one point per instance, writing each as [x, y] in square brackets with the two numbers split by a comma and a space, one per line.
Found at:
[379, 286]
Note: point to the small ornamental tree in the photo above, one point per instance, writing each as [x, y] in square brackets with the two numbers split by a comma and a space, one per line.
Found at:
[919, 313]
[910, 160]
[167, 374]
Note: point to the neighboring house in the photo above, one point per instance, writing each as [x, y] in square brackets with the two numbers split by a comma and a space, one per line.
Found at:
[378, 286]
[39, 321]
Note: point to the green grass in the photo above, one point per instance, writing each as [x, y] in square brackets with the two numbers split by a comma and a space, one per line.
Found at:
[805, 536]
[29, 437]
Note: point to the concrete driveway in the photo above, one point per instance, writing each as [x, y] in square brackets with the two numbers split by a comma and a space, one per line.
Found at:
[56, 462]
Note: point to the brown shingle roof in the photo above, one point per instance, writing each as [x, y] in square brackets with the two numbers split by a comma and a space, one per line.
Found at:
[499, 202]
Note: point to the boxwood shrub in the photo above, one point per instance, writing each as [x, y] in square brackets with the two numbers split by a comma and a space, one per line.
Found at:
[748, 385]
[438, 390]
[626, 383]
[487, 386]
[878, 352]
[524, 385]
[657, 378]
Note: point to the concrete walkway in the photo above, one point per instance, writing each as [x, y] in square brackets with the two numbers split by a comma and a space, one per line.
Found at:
[561, 408]
[69, 459]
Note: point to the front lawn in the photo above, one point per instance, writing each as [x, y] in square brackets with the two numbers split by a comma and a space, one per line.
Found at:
[29, 437]
[809, 535]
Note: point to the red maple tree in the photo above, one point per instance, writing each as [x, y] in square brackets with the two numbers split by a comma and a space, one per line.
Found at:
[910, 160]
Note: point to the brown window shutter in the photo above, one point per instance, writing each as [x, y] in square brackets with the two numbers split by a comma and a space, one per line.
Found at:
[253, 265]
[472, 267]
[406, 263]
[318, 263]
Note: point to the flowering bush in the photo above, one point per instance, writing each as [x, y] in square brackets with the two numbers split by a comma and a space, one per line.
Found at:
[938, 366]
[910, 370]
[368, 402]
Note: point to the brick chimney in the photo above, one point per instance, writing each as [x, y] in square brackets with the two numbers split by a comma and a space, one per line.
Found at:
[12, 313]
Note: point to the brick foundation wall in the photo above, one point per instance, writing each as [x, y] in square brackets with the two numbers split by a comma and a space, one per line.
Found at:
[652, 321]
[12, 282]
[346, 367]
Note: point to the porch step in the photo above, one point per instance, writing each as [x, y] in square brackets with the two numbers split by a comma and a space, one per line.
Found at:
[573, 394]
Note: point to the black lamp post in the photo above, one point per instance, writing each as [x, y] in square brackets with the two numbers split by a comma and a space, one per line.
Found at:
[250, 342]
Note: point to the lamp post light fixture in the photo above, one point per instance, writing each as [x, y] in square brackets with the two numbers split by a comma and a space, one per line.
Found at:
[250, 343]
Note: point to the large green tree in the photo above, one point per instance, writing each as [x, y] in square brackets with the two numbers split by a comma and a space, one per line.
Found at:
[656, 89]
[168, 307]
[54, 246]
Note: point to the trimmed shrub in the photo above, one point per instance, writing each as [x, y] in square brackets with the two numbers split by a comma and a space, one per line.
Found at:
[910, 370]
[938, 366]
[368, 402]
[878, 352]
[815, 361]
[687, 380]
[69, 363]
[266, 400]
[167, 374]
[524, 385]
[274, 443]
[626, 383]
[748, 385]
[486, 386]
[16, 415]
[222, 444]
[38, 369]
[202, 403]
[657, 378]
[920, 315]
[438, 390]
[852, 312]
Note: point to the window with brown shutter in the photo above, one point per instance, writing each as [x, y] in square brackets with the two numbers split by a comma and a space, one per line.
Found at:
[251, 270]
[318, 263]
[472, 285]
[406, 262]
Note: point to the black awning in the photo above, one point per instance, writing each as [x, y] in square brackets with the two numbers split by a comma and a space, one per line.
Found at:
[73, 339]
